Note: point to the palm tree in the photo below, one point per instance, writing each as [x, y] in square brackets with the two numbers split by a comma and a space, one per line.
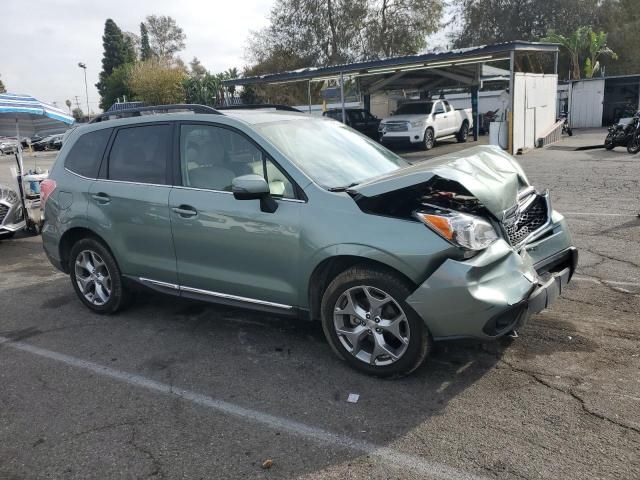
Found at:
[597, 44]
[583, 40]
[228, 75]
[574, 44]
[68, 104]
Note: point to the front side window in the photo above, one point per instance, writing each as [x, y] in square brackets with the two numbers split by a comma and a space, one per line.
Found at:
[331, 154]
[439, 108]
[86, 154]
[141, 154]
[211, 157]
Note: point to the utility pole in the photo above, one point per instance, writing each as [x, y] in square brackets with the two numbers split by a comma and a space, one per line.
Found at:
[77, 102]
[86, 90]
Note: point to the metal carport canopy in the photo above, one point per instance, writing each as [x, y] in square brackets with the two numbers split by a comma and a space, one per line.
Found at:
[457, 67]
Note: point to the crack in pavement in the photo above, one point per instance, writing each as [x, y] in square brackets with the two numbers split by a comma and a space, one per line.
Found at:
[569, 392]
[158, 470]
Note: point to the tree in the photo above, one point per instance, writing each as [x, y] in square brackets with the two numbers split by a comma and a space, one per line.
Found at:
[621, 19]
[329, 32]
[157, 82]
[583, 43]
[132, 46]
[165, 36]
[2, 87]
[145, 49]
[482, 22]
[116, 53]
[77, 114]
[203, 89]
[197, 69]
[67, 102]
[117, 86]
[229, 75]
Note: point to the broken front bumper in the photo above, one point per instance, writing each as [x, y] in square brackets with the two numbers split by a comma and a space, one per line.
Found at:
[494, 292]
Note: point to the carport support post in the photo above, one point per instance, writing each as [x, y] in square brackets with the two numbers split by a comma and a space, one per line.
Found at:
[344, 114]
[309, 94]
[474, 111]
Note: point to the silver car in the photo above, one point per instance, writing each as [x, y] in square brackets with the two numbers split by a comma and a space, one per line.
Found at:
[11, 213]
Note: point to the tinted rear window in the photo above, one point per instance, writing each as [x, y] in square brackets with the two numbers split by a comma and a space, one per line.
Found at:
[86, 154]
[414, 108]
[141, 154]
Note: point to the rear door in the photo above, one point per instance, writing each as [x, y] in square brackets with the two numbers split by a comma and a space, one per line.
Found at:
[129, 202]
[228, 248]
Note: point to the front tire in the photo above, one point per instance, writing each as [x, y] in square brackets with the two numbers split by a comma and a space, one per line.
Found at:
[95, 277]
[634, 145]
[368, 323]
[429, 139]
[608, 142]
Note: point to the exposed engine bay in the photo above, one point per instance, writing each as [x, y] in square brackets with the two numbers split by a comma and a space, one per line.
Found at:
[438, 192]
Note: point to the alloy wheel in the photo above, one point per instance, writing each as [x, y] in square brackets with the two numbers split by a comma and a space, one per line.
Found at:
[371, 325]
[93, 277]
[428, 139]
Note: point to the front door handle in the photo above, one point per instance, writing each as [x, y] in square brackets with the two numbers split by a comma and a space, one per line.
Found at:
[101, 197]
[185, 211]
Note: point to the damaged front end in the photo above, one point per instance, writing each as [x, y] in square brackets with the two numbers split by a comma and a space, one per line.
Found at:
[515, 251]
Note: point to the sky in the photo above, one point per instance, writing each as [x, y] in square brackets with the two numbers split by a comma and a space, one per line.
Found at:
[42, 41]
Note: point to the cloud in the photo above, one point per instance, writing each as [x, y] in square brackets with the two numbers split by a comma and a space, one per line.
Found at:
[41, 42]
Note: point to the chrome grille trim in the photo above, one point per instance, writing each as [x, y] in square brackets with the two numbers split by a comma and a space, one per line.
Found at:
[528, 219]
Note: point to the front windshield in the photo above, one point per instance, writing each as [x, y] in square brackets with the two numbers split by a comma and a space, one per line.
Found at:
[332, 154]
[414, 108]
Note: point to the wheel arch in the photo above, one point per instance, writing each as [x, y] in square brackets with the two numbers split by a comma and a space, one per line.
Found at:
[330, 267]
[70, 237]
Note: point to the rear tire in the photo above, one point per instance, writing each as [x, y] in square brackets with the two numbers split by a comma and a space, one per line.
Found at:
[463, 135]
[383, 336]
[634, 146]
[95, 277]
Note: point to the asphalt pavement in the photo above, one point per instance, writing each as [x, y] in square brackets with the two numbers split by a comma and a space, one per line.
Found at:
[179, 389]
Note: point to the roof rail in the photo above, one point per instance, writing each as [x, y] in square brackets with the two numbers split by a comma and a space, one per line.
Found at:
[155, 109]
[258, 106]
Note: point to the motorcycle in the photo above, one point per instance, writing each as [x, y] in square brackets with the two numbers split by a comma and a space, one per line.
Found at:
[621, 133]
[566, 129]
[633, 146]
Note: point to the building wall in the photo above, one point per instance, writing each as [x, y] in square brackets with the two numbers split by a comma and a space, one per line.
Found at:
[534, 107]
[587, 98]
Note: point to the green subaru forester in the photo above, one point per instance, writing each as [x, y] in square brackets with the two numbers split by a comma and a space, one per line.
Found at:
[299, 215]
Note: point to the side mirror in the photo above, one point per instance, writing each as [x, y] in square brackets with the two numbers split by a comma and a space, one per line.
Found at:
[254, 187]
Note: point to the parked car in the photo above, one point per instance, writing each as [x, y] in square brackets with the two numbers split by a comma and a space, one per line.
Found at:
[8, 146]
[357, 118]
[11, 213]
[299, 215]
[50, 142]
[422, 122]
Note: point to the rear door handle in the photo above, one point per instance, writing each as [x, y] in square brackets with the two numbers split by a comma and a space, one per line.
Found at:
[101, 197]
[185, 211]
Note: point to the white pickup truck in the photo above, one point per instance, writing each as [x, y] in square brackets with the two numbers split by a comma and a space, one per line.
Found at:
[422, 122]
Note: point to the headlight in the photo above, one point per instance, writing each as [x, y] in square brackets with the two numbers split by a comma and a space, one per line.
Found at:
[417, 123]
[9, 195]
[466, 231]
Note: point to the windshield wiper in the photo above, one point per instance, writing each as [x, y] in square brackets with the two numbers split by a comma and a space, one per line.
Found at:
[342, 189]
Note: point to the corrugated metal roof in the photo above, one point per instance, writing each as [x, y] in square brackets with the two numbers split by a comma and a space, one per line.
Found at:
[463, 54]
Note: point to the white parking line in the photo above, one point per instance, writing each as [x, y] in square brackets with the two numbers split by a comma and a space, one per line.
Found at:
[384, 454]
[593, 214]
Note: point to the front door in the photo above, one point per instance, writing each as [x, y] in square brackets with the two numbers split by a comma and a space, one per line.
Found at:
[129, 204]
[227, 247]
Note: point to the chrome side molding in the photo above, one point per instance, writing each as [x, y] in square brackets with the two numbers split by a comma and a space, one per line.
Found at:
[225, 296]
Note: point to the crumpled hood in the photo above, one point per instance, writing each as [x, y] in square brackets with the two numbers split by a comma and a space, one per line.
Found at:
[487, 172]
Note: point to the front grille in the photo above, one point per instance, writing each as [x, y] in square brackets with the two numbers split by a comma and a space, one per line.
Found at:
[3, 212]
[531, 218]
[396, 126]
